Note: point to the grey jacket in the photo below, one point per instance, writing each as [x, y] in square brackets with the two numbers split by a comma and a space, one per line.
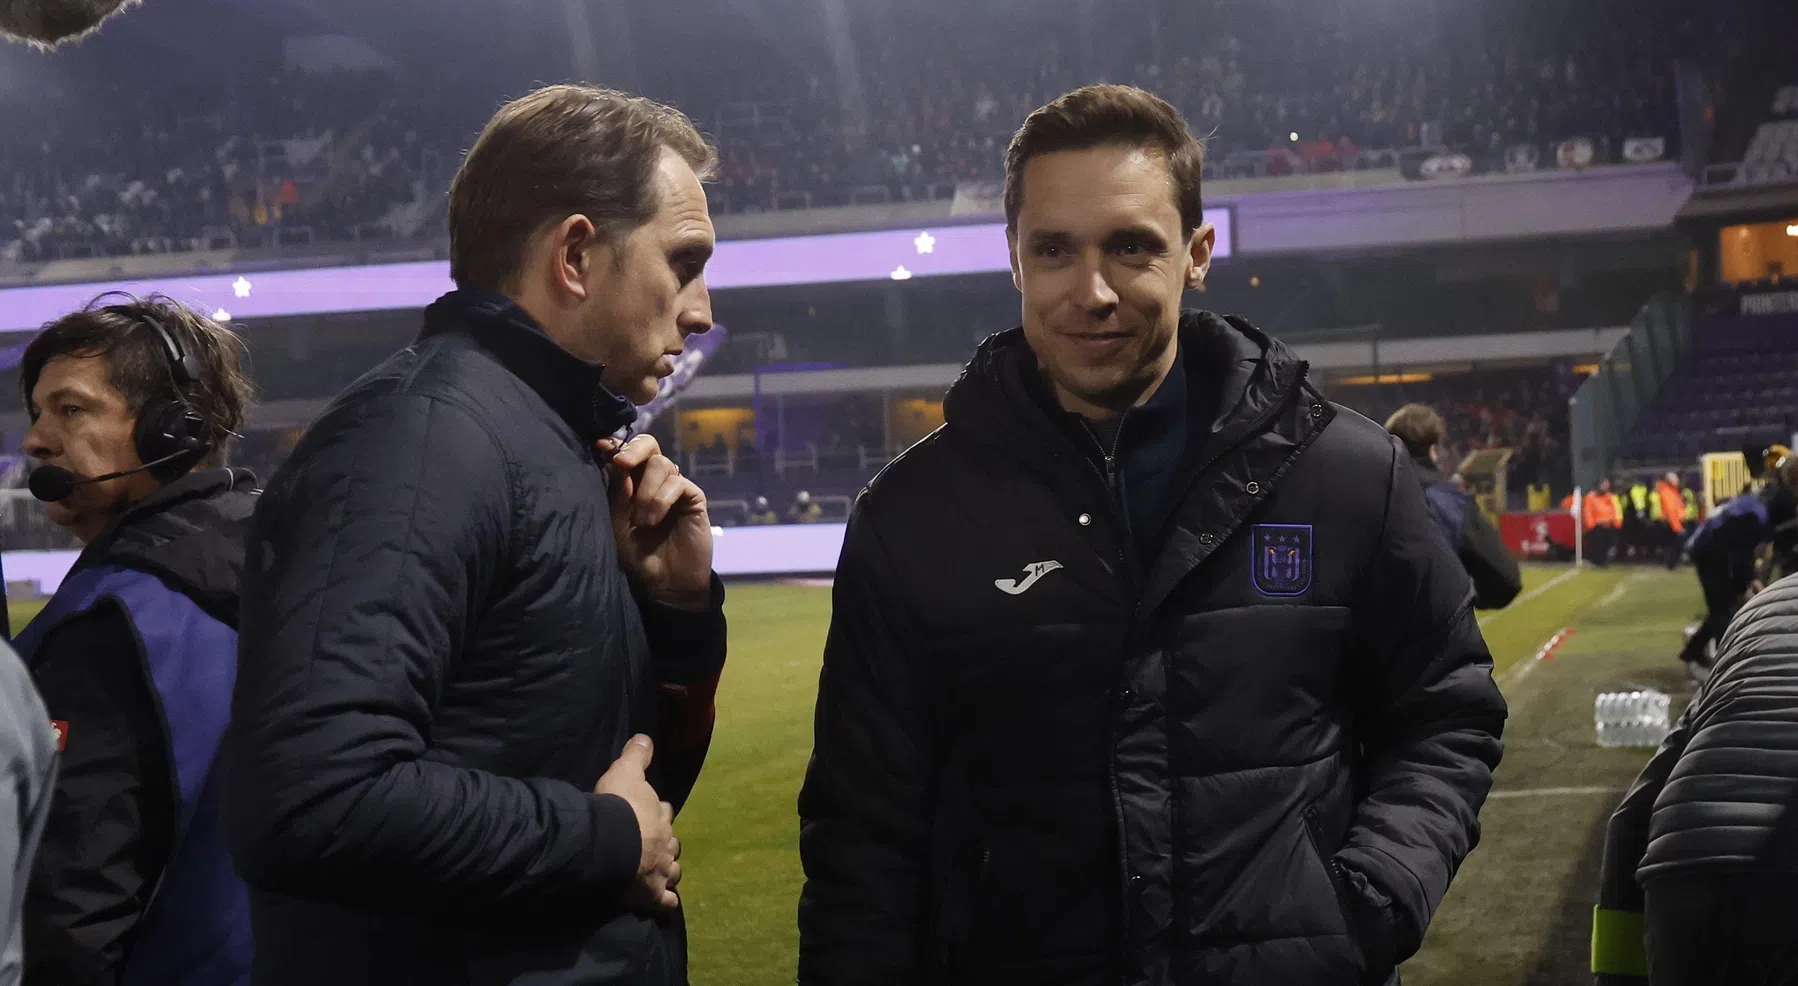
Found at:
[1718, 795]
[27, 776]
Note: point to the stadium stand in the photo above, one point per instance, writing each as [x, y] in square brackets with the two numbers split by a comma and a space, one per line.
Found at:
[1773, 151]
[294, 158]
[1738, 389]
[1523, 409]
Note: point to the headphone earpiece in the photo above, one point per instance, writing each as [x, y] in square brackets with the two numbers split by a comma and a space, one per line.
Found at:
[170, 430]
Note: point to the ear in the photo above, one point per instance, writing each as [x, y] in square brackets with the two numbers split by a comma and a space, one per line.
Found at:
[1199, 259]
[573, 247]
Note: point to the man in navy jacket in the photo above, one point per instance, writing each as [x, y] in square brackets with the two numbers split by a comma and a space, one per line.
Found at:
[480, 638]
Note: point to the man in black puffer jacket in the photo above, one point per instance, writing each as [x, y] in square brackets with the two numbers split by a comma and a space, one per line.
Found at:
[1150, 666]
[458, 646]
[1699, 883]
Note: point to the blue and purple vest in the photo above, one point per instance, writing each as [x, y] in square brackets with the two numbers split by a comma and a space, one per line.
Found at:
[196, 928]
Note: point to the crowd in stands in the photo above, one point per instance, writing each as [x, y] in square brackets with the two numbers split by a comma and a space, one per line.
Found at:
[1522, 410]
[290, 157]
[1278, 87]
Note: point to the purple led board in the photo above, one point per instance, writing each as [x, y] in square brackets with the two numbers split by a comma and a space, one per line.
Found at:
[898, 255]
[737, 552]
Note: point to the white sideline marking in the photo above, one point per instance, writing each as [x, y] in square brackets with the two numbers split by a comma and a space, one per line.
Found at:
[1553, 792]
[1533, 593]
[1618, 590]
[1521, 669]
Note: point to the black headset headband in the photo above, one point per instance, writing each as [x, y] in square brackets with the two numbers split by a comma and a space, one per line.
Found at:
[181, 365]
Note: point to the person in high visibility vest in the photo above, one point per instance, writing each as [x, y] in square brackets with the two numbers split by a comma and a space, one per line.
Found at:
[1602, 517]
[1636, 531]
[1673, 513]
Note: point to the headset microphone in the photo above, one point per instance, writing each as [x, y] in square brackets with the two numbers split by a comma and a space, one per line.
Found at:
[53, 483]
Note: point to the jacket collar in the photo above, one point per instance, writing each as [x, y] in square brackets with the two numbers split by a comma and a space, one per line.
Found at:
[190, 534]
[571, 386]
[1427, 471]
[1234, 374]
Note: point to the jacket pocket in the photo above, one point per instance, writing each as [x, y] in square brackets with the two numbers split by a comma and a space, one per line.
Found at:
[952, 919]
[1369, 928]
[1344, 903]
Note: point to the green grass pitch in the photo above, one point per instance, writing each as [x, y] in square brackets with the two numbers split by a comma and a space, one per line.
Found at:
[1518, 912]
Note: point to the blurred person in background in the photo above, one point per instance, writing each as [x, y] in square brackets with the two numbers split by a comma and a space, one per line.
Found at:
[1494, 573]
[1149, 666]
[1602, 517]
[1672, 523]
[481, 638]
[1637, 534]
[1699, 878]
[28, 746]
[131, 407]
[804, 510]
[1724, 549]
[761, 514]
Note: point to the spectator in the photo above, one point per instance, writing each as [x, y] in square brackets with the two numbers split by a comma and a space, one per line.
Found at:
[761, 514]
[804, 510]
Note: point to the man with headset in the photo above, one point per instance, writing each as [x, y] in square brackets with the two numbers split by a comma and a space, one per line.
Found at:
[135, 655]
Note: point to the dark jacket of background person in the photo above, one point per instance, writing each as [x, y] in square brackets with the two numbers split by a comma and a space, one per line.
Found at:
[27, 773]
[1496, 578]
[441, 657]
[1042, 756]
[136, 653]
[1718, 799]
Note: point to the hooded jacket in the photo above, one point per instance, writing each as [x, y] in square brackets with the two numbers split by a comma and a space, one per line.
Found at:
[1044, 755]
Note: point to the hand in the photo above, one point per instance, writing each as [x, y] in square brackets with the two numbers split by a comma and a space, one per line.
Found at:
[660, 521]
[659, 870]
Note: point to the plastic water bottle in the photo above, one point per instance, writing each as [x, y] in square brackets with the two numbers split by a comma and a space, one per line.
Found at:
[1637, 718]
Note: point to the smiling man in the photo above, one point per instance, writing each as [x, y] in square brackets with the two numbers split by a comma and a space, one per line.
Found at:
[480, 640]
[1150, 666]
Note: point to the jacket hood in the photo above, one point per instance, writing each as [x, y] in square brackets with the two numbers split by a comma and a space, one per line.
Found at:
[190, 534]
[1236, 373]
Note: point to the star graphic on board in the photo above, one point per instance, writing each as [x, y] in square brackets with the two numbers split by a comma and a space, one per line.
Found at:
[900, 273]
[221, 316]
[241, 287]
[925, 243]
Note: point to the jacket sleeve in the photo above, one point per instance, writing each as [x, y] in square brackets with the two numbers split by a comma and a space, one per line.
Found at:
[28, 765]
[1619, 954]
[688, 650]
[864, 808]
[368, 561]
[1496, 578]
[111, 822]
[1429, 717]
